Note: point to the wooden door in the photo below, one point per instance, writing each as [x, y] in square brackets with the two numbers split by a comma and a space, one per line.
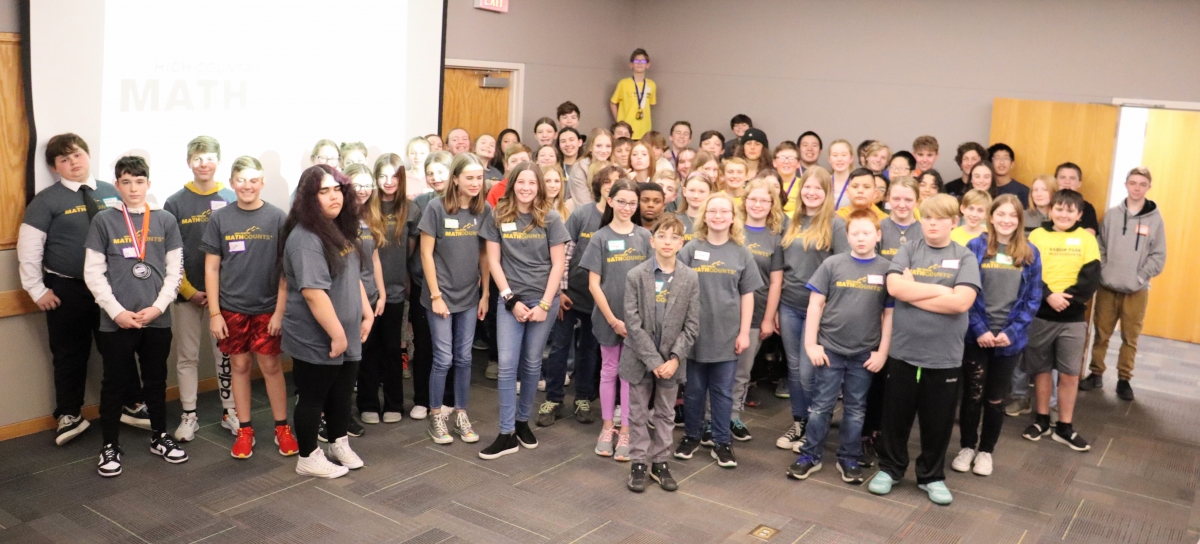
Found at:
[14, 139]
[1172, 154]
[467, 105]
[1046, 134]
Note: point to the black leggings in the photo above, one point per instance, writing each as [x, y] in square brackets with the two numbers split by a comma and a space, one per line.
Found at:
[987, 379]
[873, 420]
[322, 388]
[382, 365]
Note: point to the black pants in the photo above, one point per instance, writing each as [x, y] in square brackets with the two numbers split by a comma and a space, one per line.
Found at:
[489, 323]
[124, 351]
[987, 380]
[421, 362]
[928, 395]
[322, 388]
[874, 417]
[385, 367]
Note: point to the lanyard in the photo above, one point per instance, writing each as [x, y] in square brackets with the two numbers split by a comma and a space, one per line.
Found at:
[641, 93]
[139, 242]
[837, 204]
[790, 185]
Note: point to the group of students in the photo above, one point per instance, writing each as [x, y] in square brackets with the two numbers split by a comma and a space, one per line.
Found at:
[595, 249]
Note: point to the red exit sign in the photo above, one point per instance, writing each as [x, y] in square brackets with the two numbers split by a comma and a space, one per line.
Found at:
[499, 6]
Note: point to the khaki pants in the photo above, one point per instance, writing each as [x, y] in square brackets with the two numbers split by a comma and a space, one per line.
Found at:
[648, 445]
[1130, 310]
[191, 327]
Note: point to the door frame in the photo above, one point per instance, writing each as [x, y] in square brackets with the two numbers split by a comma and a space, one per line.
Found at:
[516, 86]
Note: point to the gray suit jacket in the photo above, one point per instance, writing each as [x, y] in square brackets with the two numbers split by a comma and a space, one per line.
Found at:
[680, 324]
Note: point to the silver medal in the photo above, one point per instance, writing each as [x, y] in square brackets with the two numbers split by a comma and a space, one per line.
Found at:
[141, 271]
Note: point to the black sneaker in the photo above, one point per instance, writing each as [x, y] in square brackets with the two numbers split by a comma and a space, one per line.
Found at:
[752, 396]
[583, 411]
[504, 445]
[679, 417]
[739, 430]
[1093, 382]
[804, 467]
[1065, 434]
[355, 429]
[851, 471]
[164, 446]
[662, 475]
[322, 431]
[1124, 391]
[869, 457]
[548, 413]
[637, 478]
[69, 427]
[525, 435]
[1036, 431]
[110, 461]
[723, 453]
[136, 416]
[687, 447]
[706, 439]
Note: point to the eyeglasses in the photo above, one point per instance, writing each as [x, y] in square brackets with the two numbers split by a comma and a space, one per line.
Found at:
[624, 204]
[785, 158]
[321, 159]
[641, 61]
[363, 187]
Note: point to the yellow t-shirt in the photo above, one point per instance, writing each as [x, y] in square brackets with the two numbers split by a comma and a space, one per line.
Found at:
[626, 98]
[845, 212]
[792, 187]
[961, 236]
[1063, 255]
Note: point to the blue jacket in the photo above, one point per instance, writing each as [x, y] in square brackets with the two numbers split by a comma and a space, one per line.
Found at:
[1029, 298]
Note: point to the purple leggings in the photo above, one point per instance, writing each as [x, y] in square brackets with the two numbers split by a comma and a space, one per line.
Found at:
[610, 357]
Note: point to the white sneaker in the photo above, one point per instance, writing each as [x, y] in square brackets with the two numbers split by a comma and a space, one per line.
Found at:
[68, 428]
[230, 421]
[318, 466]
[370, 418]
[983, 464]
[567, 380]
[340, 451]
[617, 413]
[962, 461]
[541, 385]
[418, 412]
[392, 417]
[189, 424]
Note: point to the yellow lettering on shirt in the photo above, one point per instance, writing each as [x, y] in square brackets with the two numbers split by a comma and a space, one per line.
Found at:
[630, 254]
[198, 218]
[757, 250]
[716, 267]
[253, 233]
[517, 235]
[935, 271]
[860, 283]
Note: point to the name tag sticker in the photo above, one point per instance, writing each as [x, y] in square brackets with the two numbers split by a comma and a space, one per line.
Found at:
[701, 255]
[1004, 259]
[1074, 241]
[874, 279]
[129, 252]
[217, 204]
[112, 202]
[951, 264]
[1144, 230]
[616, 245]
[508, 227]
[451, 223]
[658, 285]
[237, 246]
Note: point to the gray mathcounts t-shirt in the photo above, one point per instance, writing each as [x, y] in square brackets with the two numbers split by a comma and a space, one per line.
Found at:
[248, 243]
[612, 256]
[927, 339]
[800, 263]
[895, 236]
[1001, 287]
[110, 235]
[769, 258]
[455, 254]
[855, 295]
[304, 267]
[725, 272]
[582, 224]
[525, 251]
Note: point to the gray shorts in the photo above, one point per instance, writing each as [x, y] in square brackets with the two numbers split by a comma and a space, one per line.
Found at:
[1055, 346]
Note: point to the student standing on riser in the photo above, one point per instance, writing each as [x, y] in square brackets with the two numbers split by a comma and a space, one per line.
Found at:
[191, 207]
[1133, 249]
[50, 252]
[134, 273]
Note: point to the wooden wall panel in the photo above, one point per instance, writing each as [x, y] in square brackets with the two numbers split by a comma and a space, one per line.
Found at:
[1172, 154]
[14, 139]
[469, 106]
[1046, 134]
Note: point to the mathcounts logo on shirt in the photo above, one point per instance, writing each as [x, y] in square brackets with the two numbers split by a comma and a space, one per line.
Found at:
[716, 267]
[935, 271]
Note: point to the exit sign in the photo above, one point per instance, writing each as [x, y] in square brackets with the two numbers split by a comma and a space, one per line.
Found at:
[499, 6]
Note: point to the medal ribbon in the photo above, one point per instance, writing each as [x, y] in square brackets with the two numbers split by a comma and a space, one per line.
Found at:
[139, 242]
[641, 93]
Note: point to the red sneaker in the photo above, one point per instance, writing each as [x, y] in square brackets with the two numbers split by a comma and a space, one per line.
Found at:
[243, 447]
[404, 361]
[286, 442]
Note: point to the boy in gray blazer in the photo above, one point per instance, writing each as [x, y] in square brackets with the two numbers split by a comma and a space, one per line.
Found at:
[662, 317]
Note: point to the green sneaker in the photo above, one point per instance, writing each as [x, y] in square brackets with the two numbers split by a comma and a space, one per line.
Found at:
[937, 492]
[881, 484]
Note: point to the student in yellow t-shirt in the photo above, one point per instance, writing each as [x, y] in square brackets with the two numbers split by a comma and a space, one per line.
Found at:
[975, 206]
[860, 189]
[634, 95]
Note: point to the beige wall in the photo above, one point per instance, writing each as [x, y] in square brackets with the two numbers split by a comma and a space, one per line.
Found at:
[895, 70]
[572, 50]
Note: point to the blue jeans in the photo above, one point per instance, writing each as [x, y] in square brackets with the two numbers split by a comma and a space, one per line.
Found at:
[452, 337]
[847, 375]
[520, 353]
[800, 369]
[562, 335]
[714, 380]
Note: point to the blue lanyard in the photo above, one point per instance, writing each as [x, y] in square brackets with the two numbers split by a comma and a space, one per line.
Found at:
[641, 93]
[837, 204]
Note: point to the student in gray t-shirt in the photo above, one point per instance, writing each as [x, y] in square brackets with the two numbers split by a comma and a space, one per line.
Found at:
[327, 315]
